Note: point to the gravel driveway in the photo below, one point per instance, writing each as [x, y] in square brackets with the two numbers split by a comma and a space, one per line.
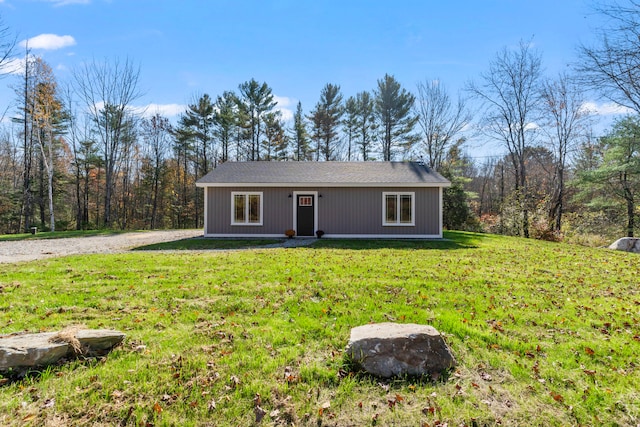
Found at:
[29, 250]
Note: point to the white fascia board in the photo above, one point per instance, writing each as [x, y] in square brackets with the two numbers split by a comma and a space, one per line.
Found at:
[326, 185]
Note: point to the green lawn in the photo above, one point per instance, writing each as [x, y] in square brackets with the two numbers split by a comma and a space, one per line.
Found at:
[544, 334]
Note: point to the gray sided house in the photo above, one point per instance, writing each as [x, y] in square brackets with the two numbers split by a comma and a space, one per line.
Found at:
[342, 199]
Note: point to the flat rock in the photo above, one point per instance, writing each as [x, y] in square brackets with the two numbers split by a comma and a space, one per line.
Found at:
[393, 349]
[28, 350]
[627, 244]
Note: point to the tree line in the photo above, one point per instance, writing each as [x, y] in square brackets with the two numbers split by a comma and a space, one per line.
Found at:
[81, 156]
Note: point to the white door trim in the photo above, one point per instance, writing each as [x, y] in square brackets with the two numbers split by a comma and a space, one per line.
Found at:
[295, 209]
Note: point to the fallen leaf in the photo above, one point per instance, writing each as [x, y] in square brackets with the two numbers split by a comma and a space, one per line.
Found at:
[557, 397]
[589, 351]
[212, 405]
[429, 411]
[589, 372]
[157, 408]
[29, 417]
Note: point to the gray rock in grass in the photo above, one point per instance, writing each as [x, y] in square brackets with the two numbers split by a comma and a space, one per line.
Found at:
[627, 244]
[29, 350]
[392, 349]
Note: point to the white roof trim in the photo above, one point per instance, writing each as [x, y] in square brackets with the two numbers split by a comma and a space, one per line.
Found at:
[325, 184]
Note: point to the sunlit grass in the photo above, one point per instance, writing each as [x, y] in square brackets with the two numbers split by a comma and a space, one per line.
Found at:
[544, 334]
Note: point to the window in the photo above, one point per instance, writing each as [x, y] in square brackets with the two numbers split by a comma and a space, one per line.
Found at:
[305, 201]
[398, 208]
[246, 208]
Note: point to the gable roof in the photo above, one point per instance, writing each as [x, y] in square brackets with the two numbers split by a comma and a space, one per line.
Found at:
[326, 174]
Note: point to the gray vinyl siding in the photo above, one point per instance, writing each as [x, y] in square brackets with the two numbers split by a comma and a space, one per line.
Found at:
[359, 211]
[277, 211]
[341, 211]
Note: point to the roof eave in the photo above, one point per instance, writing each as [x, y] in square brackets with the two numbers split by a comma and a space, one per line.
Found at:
[324, 184]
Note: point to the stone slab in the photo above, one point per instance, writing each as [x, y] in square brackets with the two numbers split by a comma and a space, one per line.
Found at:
[29, 350]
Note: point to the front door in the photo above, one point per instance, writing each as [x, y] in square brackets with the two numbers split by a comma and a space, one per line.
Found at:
[304, 214]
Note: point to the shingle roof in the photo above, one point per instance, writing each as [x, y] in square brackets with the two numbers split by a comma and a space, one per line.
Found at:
[333, 174]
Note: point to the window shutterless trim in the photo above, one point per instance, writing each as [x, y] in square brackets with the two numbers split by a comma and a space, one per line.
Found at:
[247, 195]
[398, 196]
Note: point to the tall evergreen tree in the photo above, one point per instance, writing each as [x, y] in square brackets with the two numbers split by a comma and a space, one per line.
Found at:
[618, 169]
[300, 135]
[276, 141]
[326, 120]
[258, 100]
[199, 120]
[225, 116]
[393, 108]
[365, 124]
[349, 124]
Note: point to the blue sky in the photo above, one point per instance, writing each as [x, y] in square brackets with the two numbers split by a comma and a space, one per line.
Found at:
[187, 48]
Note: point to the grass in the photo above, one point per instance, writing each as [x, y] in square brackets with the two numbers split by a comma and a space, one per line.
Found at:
[201, 243]
[544, 334]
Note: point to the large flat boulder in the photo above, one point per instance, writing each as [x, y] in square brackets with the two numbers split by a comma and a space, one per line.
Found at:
[29, 350]
[627, 244]
[393, 349]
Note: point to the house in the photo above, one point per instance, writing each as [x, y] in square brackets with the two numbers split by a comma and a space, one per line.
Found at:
[343, 199]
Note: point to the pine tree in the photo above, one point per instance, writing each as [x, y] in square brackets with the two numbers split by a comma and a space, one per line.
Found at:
[258, 100]
[365, 124]
[300, 136]
[393, 109]
[326, 120]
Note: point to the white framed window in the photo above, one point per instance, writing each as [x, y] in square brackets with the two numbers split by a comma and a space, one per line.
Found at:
[398, 208]
[246, 208]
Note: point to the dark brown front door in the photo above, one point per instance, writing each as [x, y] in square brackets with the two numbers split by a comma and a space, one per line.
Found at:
[304, 213]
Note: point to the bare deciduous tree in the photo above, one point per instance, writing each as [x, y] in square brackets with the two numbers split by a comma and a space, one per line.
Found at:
[563, 106]
[612, 67]
[48, 119]
[509, 92]
[107, 90]
[7, 45]
[440, 120]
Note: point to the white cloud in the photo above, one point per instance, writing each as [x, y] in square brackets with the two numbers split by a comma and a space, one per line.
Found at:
[48, 42]
[13, 66]
[605, 109]
[57, 3]
[287, 114]
[282, 102]
[167, 110]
